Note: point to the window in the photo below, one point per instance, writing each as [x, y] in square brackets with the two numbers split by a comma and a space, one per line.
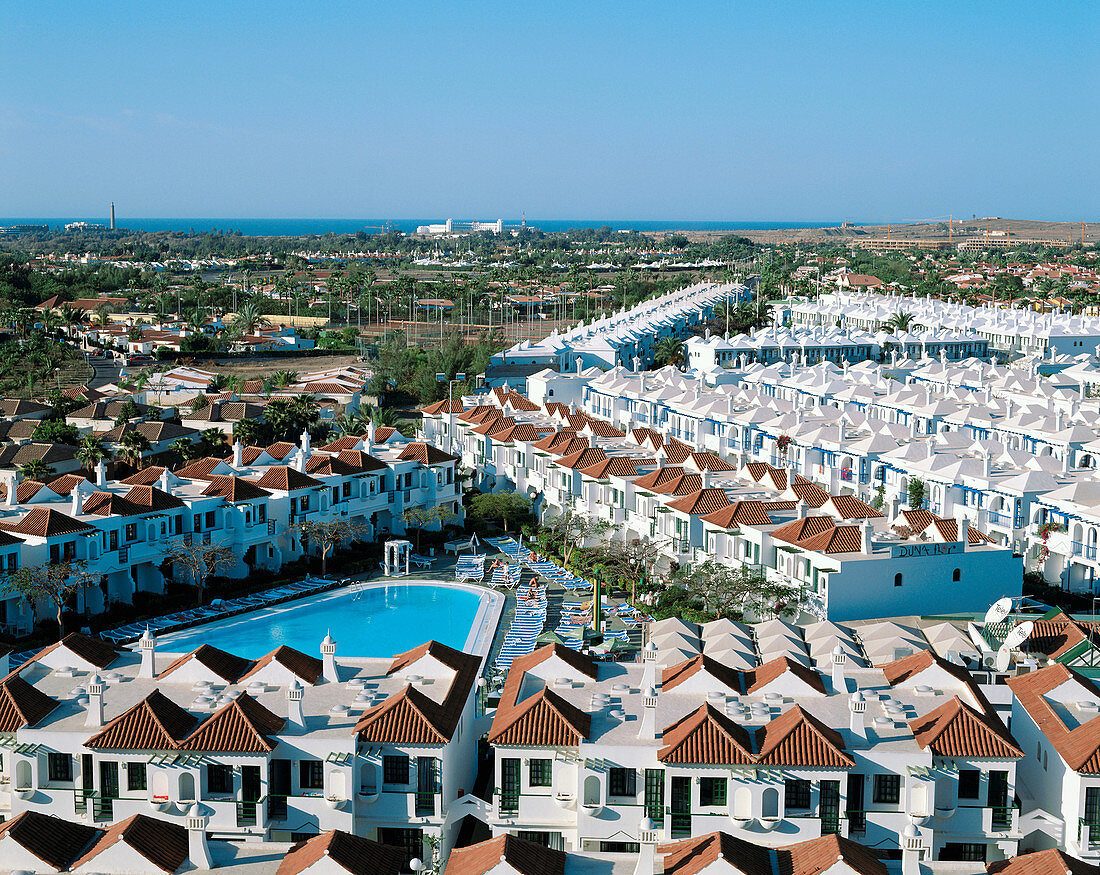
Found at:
[797, 794]
[969, 782]
[219, 778]
[887, 789]
[59, 767]
[654, 801]
[956, 576]
[310, 775]
[261, 513]
[135, 776]
[897, 579]
[540, 773]
[622, 782]
[971, 852]
[131, 532]
[408, 839]
[509, 785]
[712, 791]
[198, 523]
[210, 519]
[395, 769]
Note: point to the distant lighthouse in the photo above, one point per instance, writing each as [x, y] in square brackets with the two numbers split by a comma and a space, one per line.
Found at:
[112, 216]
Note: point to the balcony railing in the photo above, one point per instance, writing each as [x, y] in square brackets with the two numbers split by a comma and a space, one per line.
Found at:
[999, 519]
[246, 813]
[845, 473]
[857, 822]
[276, 808]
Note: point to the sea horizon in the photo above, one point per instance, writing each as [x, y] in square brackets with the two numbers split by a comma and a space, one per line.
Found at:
[295, 227]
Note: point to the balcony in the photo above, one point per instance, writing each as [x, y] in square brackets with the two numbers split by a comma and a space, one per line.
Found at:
[846, 474]
[1001, 520]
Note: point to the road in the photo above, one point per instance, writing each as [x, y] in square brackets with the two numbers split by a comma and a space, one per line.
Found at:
[104, 370]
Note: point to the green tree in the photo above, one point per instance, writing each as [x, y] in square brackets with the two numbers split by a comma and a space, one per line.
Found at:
[200, 561]
[668, 351]
[91, 452]
[51, 582]
[55, 431]
[35, 469]
[504, 507]
[570, 529]
[916, 493]
[133, 445]
[327, 535]
[249, 432]
[735, 592]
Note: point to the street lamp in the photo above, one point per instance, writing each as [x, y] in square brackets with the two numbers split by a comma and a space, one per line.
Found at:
[459, 377]
[57, 374]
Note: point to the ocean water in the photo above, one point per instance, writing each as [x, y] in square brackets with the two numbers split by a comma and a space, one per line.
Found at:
[298, 227]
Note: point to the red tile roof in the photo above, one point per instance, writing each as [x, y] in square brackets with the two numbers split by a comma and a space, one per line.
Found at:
[527, 858]
[797, 738]
[242, 726]
[956, 730]
[763, 675]
[839, 539]
[352, 853]
[706, 736]
[740, 513]
[851, 508]
[691, 856]
[162, 843]
[425, 454]
[1049, 862]
[658, 477]
[285, 479]
[52, 840]
[820, 855]
[1079, 747]
[305, 667]
[228, 667]
[582, 458]
[702, 502]
[675, 675]
[154, 723]
[47, 523]
[21, 704]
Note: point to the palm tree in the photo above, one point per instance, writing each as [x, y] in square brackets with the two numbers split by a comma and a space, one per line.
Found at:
[70, 316]
[35, 469]
[134, 445]
[184, 450]
[384, 417]
[282, 379]
[898, 322]
[668, 351]
[249, 318]
[352, 423]
[212, 439]
[248, 431]
[92, 451]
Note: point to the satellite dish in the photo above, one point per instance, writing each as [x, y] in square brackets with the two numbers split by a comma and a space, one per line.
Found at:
[1018, 635]
[998, 611]
[1004, 658]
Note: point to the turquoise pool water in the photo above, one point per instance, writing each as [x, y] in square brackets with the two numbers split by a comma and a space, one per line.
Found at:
[374, 621]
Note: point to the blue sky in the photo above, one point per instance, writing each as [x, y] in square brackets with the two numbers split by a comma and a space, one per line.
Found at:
[642, 110]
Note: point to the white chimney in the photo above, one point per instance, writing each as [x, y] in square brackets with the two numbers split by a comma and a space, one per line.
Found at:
[162, 482]
[865, 537]
[649, 666]
[647, 726]
[299, 461]
[910, 850]
[198, 849]
[913, 426]
[839, 659]
[704, 479]
[800, 508]
[1067, 460]
[94, 688]
[963, 533]
[147, 644]
[9, 495]
[305, 444]
[857, 712]
[294, 705]
[647, 848]
[100, 474]
[238, 454]
[77, 500]
[328, 660]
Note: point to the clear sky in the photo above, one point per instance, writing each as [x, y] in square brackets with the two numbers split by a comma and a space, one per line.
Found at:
[642, 110]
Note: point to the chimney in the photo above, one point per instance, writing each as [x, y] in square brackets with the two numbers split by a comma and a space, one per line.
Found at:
[857, 712]
[914, 429]
[963, 533]
[238, 454]
[910, 850]
[1067, 460]
[95, 702]
[198, 849]
[147, 644]
[162, 482]
[100, 474]
[839, 684]
[865, 537]
[300, 462]
[77, 500]
[647, 848]
[647, 728]
[305, 444]
[328, 660]
[649, 666]
[704, 479]
[294, 705]
[9, 495]
[987, 464]
[800, 509]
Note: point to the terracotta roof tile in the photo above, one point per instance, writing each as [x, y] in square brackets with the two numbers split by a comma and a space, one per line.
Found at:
[52, 840]
[154, 723]
[1080, 746]
[152, 498]
[691, 856]
[710, 462]
[956, 730]
[821, 855]
[676, 452]
[675, 675]
[543, 719]
[425, 454]
[797, 738]
[740, 513]
[442, 407]
[705, 501]
[803, 528]
[228, 667]
[21, 704]
[706, 736]
[200, 468]
[658, 477]
[839, 539]
[43, 522]
[527, 858]
[354, 854]
[763, 675]
[285, 479]
[1049, 862]
[307, 668]
[242, 726]
[361, 461]
[162, 843]
[96, 651]
[851, 508]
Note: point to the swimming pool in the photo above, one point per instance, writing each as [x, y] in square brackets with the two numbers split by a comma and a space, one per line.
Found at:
[366, 620]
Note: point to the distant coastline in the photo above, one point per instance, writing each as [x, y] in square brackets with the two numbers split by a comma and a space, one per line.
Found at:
[290, 227]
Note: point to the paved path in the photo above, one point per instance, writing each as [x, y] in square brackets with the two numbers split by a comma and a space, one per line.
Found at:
[104, 370]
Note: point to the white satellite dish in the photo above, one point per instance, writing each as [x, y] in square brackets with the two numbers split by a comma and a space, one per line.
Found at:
[1018, 635]
[998, 611]
[1004, 658]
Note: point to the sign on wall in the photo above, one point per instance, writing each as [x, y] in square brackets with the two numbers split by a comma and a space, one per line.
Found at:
[909, 551]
